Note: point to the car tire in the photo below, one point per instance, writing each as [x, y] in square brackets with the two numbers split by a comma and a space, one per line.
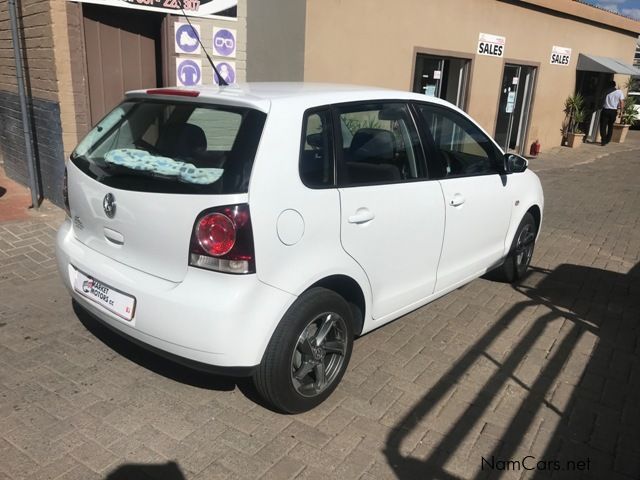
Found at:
[308, 352]
[517, 262]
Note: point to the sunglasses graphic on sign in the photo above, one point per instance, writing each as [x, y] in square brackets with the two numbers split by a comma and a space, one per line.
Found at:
[224, 42]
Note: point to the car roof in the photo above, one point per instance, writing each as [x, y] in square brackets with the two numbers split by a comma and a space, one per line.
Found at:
[261, 95]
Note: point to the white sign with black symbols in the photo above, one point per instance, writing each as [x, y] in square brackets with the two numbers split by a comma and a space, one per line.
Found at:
[560, 56]
[491, 45]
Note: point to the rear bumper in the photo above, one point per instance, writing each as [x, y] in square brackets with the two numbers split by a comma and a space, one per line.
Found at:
[208, 320]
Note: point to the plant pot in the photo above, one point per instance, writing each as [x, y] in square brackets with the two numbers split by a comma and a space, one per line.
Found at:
[574, 140]
[619, 133]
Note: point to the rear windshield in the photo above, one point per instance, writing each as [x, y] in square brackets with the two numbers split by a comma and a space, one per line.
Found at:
[172, 147]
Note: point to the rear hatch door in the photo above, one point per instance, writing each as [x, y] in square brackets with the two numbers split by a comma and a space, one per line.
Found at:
[137, 183]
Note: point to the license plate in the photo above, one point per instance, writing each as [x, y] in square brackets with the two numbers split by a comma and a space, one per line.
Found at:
[121, 304]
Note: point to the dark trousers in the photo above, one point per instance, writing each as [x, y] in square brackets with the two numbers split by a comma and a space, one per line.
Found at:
[607, 118]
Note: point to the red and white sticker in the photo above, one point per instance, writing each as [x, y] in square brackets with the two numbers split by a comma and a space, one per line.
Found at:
[121, 304]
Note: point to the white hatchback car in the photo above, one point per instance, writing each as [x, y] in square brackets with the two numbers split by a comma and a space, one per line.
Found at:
[255, 230]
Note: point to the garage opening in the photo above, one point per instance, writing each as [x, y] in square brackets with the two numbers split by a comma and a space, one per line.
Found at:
[123, 52]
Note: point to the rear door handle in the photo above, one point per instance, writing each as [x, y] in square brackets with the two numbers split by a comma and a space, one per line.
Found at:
[362, 215]
[457, 200]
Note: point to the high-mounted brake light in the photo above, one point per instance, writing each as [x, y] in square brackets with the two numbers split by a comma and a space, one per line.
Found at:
[173, 91]
[222, 240]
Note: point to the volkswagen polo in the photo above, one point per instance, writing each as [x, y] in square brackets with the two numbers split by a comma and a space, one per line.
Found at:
[255, 230]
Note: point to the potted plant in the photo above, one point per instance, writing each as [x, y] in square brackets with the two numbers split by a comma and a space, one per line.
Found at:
[574, 117]
[627, 117]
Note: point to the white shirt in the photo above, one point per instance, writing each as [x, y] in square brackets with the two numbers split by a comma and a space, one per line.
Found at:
[612, 101]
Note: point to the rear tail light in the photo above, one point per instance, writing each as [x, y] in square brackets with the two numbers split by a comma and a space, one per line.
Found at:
[65, 193]
[222, 240]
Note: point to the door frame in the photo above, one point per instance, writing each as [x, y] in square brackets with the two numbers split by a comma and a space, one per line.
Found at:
[523, 63]
[168, 61]
[453, 54]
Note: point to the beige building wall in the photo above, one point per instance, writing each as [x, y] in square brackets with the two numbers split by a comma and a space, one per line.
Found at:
[375, 43]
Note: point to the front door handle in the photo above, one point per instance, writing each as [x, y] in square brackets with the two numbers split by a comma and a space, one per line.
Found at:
[362, 215]
[457, 200]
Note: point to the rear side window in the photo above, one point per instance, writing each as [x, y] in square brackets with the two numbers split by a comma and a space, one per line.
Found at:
[316, 157]
[379, 145]
[169, 147]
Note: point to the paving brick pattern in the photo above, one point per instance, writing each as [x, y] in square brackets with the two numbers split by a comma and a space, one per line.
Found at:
[26, 246]
[542, 375]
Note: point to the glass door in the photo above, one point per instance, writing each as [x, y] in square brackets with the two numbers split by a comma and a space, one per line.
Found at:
[442, 77]
[515, 106]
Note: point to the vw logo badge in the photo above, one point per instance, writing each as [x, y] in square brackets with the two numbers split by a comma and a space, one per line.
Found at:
[109, 205]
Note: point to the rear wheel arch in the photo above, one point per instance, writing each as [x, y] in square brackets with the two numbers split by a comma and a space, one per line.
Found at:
[350, 290]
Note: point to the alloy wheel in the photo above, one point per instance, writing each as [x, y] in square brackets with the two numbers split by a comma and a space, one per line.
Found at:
[319, 354]
[524, 247]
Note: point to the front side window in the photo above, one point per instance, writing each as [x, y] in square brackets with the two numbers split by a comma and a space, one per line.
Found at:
[379, 145]
[172, 147]
[316, 157]
[462, 148]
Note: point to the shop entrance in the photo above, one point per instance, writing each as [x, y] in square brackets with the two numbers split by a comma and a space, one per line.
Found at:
[443, 77]
[592, 86]
[123, 52]
[512, 124]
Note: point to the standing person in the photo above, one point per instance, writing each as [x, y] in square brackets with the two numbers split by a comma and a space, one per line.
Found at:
[613, 100]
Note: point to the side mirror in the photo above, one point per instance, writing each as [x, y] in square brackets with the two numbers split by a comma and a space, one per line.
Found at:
[515, 163]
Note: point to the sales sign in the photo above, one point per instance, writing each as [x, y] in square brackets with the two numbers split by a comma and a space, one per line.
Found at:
[491, 45]
[560, 56]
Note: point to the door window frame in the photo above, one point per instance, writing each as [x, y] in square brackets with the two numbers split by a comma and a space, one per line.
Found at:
[421, 161]
[435, 160]
[332, 139]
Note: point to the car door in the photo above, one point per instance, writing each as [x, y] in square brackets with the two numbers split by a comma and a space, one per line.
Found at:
[392, 216]
[477, 196]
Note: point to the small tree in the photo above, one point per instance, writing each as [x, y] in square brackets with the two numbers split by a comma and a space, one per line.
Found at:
[575, 113]
[633, 85]
[628, 115]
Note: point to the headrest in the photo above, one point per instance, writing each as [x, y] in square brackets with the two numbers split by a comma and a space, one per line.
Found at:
[373, 145]
[189, 139]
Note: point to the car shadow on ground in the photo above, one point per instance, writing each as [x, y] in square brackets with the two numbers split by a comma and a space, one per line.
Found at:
[599, 421]
[164, 471]
[161, 365]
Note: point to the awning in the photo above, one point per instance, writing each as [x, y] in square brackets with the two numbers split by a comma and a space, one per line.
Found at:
[593, 63]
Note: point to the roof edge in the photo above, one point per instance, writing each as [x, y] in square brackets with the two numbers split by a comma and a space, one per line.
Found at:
[584, 11]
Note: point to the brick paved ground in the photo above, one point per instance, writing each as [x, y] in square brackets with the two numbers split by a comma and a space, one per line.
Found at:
[14, 199]
[549, 369]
